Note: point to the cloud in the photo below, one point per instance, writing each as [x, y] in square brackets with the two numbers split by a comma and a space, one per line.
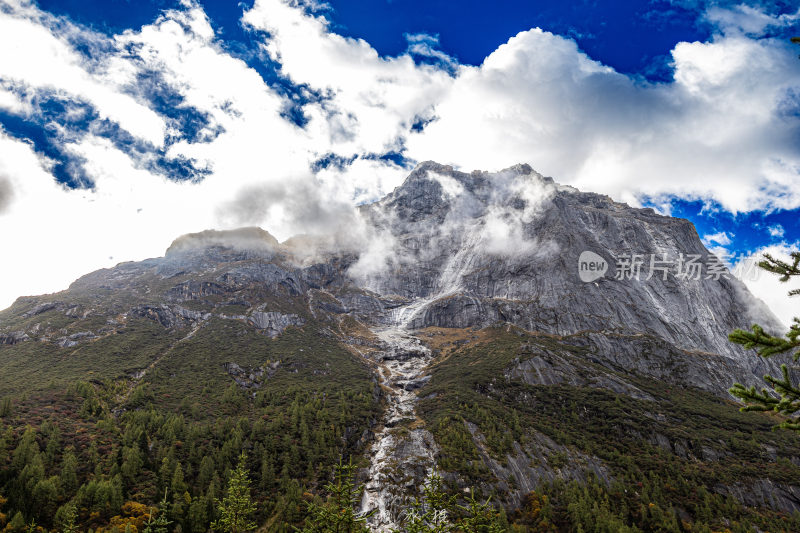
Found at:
[425, 46]
[477, 219]
[370, 102]
[6, 193]
[379, 252]
[722, 238]
[766, 286]
[170, 133]
[39, 54]
[132, 210]
[776, 231]
[748, 20]
[299, 204]
[719, 131]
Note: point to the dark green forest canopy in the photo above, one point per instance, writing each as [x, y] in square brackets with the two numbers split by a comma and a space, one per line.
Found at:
[103, 446]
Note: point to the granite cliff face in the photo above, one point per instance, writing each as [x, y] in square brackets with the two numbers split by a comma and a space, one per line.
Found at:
[505, 247]
[478, 249]
[449, 254]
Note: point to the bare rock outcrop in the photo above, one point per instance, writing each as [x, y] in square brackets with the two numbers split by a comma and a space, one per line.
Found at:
[273, 323]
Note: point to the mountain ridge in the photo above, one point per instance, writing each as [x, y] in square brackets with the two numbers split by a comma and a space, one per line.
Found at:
[455, 322]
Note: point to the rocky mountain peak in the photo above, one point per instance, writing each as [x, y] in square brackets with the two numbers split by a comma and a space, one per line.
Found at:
[482, 248]
[249, 238]
[477, 249]
[432, 190]
[467, 320]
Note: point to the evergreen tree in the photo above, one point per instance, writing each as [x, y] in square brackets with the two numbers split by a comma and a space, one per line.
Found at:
[69, 517]
[206, 471]
[787, 399]
[178, 485]
[25, 450]
[17, 522]
[158, 522]
[131, 462]
[198, 515]
[45, 497]
[69, 472]
[236, 508]
[339, 513]
[431, 513]
[481, 517]
[5, 407]
[53, 446]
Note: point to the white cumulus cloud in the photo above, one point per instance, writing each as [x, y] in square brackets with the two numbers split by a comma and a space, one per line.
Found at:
[767, 286]
[721, 238]
[724, 130]
[776, 231]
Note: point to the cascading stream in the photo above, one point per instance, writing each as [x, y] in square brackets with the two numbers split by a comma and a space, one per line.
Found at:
[402, 455]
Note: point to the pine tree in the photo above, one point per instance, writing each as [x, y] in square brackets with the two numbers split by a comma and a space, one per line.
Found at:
[481, 517]
[68, 522]
[5, 407]
[339, 513]
[236, 508]
[131, 462]
[26, 450]
[158, 522]
[69, 472]
[206, 471]
[787, 400]
[17, 522]
[198, 514]
[178, 485]
[431, 513]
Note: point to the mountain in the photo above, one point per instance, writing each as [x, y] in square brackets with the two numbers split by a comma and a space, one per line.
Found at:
[488, 326]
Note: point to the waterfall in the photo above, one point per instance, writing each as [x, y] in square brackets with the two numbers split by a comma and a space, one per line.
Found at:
[402, 451]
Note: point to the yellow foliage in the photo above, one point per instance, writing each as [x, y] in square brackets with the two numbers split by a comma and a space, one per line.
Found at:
[136, 514]
[533, 506]
[136, 509]
[120, 523]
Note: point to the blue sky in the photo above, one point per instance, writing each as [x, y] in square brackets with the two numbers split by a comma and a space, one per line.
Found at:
[634, 37]
[138, 121]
